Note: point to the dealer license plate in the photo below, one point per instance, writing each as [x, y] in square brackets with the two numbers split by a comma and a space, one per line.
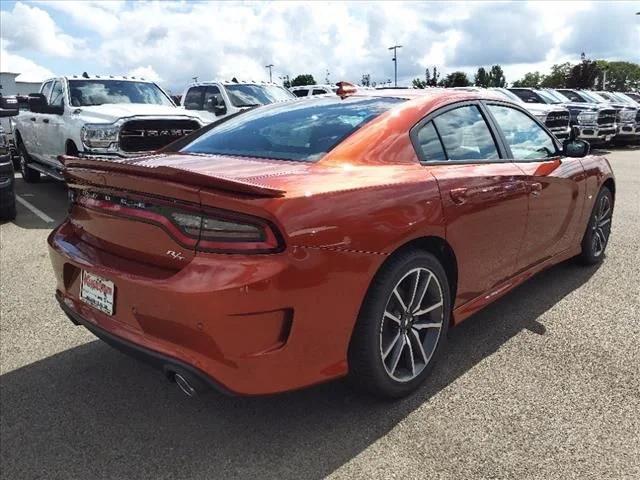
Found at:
[97, 292]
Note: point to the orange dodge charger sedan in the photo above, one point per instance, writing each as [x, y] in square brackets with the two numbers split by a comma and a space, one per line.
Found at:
[305, 241]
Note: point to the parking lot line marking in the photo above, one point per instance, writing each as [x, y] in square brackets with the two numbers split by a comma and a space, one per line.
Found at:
[43, 216]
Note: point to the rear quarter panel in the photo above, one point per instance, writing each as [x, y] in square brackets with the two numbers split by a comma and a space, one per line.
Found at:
[391, 206]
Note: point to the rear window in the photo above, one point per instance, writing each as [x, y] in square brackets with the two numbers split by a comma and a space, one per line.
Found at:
[304, 130]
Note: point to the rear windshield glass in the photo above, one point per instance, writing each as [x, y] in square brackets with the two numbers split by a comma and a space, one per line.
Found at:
[302, 130]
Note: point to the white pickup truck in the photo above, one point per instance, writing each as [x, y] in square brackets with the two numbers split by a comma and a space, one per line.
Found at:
[95, 116]
[212, 100]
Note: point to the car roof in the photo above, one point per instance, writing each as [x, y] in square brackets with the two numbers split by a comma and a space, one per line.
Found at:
[452, 94]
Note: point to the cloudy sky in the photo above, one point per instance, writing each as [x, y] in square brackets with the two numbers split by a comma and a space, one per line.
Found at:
[173, 41]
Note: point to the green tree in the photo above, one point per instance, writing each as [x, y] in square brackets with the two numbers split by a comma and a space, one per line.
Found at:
[620, 76]
[558, 76]
[530, 80]
[481, 78]
[418, 83]
[455, 79]
[496, 77]
[432, 79]
[301, 80]
[584, 74]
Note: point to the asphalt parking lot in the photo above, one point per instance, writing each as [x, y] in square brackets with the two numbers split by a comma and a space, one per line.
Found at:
[545, 383]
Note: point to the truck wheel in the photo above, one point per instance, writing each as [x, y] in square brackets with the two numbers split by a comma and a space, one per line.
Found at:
[28, 174]
[8, 204]
[8, 210]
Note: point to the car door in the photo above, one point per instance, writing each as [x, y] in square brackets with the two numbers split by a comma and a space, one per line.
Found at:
[483, 195]
[50, 134]
[31, 136]
[555, 184]
[194, 100]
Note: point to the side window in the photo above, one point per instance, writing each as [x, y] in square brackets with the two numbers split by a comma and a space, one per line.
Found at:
[57, 95]
[193, 99]
[212, 91]
[430, 145]
[46, 90]
[465, 134]
[317, 91]
[524, 136]
[301, 93]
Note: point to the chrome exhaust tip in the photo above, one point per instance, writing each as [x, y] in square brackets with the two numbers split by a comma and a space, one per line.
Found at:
[183, 384]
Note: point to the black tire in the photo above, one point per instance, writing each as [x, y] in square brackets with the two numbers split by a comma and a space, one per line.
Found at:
[596, 237]
[368, 368]
[8, 211]
[29, 175]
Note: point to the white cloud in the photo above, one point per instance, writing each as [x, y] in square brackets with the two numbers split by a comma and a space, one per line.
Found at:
[175, 41]
[100, 16]
[148, 73]
[29, 71]
[27, 28]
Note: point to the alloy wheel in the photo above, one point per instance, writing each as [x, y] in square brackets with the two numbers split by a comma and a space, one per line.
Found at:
[411, 324]
[601, 226]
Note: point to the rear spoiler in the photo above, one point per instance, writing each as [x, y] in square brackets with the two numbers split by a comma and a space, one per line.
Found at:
[77, 168]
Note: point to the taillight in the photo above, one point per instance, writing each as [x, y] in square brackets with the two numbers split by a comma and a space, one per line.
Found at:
[211, 230]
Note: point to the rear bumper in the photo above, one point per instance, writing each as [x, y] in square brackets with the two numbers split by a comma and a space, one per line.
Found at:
[151, 357]
[254, 324]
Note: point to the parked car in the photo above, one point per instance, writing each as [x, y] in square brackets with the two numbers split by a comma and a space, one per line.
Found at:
[555, 117]
[625, 115]
[312, 90]
[213, 101]
[628, 115]
[634, 95]
[111, 117]
[8, 108]
[319, 238]
[596, 123]
[7, 124]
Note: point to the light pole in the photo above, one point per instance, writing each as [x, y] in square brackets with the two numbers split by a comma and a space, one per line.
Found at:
[270, 66]
[395, 62]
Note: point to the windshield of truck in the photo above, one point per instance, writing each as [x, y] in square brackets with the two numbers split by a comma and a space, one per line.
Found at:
[594, 97]
[626, 99]
[557, 95]
[507, 94]
[548, 98]
[256, 95]
[84, 93]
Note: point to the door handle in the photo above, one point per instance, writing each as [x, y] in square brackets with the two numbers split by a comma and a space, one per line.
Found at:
[459, 195]
[45, 120]
[33, 119]
[536, 188]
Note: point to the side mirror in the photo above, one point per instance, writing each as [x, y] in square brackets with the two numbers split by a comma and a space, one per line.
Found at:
[575, 148]
[37, 102]
[213, 105]
[8, 107]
